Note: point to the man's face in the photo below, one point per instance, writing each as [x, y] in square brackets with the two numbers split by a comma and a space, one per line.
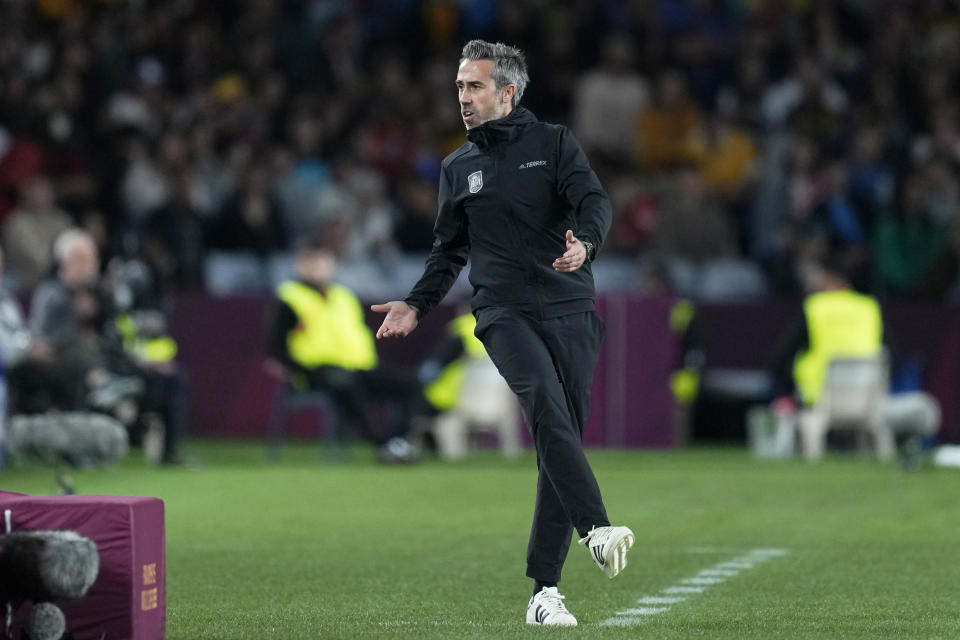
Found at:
[480, 100]
[81, 265]
[316, 267]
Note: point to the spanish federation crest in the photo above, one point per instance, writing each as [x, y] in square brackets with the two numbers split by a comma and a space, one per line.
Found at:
[475, 181]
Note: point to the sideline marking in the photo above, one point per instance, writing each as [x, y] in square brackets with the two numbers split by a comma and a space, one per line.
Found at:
[717, 574]
[660, 600]
[684, 590]
[705, 581]
[642, 611]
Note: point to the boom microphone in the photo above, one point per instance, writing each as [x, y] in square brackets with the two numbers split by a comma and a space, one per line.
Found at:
[46, 622]
[46, 565]
[81, 439]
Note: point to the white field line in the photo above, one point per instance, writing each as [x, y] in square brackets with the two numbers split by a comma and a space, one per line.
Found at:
[704, 581]
[675, 594]
[684, 590]
[661, 600]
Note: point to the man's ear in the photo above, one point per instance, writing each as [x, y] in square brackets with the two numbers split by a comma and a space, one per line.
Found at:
[507, 96]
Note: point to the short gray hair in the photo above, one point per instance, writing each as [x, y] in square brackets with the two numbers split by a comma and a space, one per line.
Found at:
[509, 64]
[68, 240]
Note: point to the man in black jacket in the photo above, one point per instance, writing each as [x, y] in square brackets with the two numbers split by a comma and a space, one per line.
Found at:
[516, 196]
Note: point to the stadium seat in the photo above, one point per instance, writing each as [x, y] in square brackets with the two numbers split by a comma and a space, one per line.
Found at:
[289, 401]
[233, 272]
[486, 405]
[852, 400]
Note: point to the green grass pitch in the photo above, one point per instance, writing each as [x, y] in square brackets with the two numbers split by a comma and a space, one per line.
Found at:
[308, 548]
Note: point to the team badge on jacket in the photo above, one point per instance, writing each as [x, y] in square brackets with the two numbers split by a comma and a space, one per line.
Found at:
[475, 181]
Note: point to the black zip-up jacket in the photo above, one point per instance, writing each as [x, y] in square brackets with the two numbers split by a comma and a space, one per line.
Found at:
[506, 200]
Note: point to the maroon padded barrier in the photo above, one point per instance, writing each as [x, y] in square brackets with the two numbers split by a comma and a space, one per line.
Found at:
[128, 600]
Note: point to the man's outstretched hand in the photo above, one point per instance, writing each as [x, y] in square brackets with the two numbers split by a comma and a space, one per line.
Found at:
[401, 319]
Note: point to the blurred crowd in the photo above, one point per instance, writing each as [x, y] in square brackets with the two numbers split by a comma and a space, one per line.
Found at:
[740, 140]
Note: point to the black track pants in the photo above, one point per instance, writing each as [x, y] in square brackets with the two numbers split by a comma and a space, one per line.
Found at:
[549, 365]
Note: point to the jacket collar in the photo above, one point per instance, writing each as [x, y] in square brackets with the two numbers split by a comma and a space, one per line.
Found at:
[499, 131]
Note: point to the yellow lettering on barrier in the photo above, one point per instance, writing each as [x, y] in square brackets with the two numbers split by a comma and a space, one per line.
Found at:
[148, 599]
[150, 573]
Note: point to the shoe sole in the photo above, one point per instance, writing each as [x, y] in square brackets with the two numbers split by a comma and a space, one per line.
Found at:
[616, 560]
[534, 623]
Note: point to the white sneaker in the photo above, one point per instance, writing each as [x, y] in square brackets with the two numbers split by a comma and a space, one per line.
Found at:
[546, 608]
[608, 548]
[397, 450]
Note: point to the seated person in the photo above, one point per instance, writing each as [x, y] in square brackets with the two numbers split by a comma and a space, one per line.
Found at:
[465, 390]
[63, 367]
[14, 346]
[838, 322]
[318, 339]
[442, 373]
[139, 325]
[79, 363]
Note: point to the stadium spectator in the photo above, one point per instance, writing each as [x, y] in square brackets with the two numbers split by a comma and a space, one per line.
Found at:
[809, 101]
[318, 339]
[30, 231]
[14, 347]
[908, 241]
[172, 236]
[15, 337]
[664, 127]
[740, 97]
[251, 220]
[366, 211]
[81, 356]
[417, 213]
[68, 363]
[607, 101]
[725, 153]
[690, 224]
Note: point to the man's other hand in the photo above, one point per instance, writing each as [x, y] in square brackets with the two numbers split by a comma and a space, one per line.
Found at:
[401, 319]
[574, 257]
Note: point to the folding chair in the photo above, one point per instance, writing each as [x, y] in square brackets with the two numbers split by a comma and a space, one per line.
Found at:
[852, 400]
[290, 400]
[486, 405]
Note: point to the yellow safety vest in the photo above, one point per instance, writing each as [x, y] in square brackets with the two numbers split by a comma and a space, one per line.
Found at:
[839, 324]
[159, 349]
[685, 381]
[332, 330]
[444, 392]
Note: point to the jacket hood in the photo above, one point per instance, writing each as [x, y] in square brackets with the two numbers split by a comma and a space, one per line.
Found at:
[498, 131]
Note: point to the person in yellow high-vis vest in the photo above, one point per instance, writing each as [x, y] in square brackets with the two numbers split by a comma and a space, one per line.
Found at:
[839, 322]
[836, 322]
[319, 339]
[443, 373]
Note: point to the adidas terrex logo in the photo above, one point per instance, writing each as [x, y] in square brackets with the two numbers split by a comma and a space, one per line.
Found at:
[533, 163]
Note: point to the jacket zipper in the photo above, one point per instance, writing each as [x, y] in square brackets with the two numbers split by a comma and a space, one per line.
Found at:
[529, 272]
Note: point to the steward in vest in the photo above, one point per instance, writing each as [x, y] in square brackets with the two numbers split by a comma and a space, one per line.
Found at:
[443, 374]
[836, 322]
[318, 339]
[142, 334]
